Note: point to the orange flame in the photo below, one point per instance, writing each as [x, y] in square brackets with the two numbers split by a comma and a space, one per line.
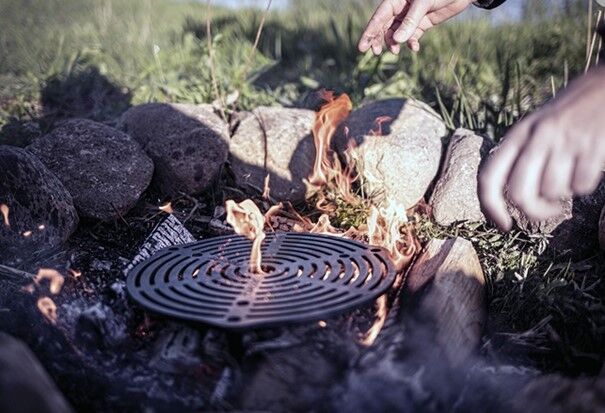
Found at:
[167, 208]
[377, 131]
[55, 279]
[75, 273]
[384, 229]
[266, 188]
[329, 117]
[381, 316]
[323, 226]
[27, 234]
[247, 220]
[47, 307]
[4, 210]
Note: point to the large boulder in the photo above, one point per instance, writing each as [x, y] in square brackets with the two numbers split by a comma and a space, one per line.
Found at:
[105, 170]
[39, 210]
[455, 196]
[188, 144]
[148, 122]
[278, 142]
[399, 162]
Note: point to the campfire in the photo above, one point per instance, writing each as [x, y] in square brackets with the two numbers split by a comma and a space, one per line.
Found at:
[272, 272]
[259, 291]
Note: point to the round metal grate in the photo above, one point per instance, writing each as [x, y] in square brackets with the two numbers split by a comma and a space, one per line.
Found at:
[308, 277]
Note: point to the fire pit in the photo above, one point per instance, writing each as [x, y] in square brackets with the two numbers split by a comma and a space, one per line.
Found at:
[305, 277]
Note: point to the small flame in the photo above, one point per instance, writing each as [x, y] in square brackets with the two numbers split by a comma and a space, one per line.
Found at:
[75, 273]
[377, 131]
[27, 234]
[167, 208]
[266, 188]
[323, 226]
[41, 227]
[247, 220]
[381, 316]
[5, 210]
[322, 323]
[55, 279]
[47, 307]
[329, 117]
[384, 230]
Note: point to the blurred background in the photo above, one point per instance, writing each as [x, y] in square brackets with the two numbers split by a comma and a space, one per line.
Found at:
[94, 58]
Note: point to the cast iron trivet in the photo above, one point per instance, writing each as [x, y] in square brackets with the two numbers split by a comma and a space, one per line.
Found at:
[308, 277]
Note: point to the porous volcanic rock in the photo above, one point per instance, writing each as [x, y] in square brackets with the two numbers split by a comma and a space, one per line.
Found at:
[399, 162]
[151, 121]
[188, 162]
[105, 170]
[455, 196]
[275, 141]
[41, 212]
[188, 144]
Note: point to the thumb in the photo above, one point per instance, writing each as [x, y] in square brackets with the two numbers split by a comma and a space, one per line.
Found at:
[418, 9]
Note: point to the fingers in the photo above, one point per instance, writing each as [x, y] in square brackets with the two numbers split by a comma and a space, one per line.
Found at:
[526, 177]
[588, 173]
[372, 35]
[494, 176]
[417, 11]
[393, 46]
[414, 45]
[414, 42]
[558, 174]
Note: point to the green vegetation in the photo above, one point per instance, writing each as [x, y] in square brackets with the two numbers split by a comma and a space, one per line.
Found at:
[95, 58]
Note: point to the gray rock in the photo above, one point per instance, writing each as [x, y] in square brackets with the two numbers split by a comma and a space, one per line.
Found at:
[37, 201]
[25, 386]
[578, 236]
[401, 164]
[546, 226]
[455, 197]
[575, 231]
[275, 141]
[151, 121]
[188, 162]
[105, 170]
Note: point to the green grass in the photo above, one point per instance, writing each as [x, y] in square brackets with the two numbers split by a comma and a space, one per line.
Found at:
[95, 58]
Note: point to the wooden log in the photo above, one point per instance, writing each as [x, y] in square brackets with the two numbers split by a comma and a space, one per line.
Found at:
[445, 287]
[24, 384]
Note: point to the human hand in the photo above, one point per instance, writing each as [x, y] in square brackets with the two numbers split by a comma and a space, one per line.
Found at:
[399, 21]
[556, 152]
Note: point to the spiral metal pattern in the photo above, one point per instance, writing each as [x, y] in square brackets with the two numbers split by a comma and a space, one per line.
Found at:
[307, 277]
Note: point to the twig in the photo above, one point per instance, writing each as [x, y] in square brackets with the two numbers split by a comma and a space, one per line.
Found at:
[256, 41]
[215, 86]
[196, 206]
[15, 275]
[593, 42]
